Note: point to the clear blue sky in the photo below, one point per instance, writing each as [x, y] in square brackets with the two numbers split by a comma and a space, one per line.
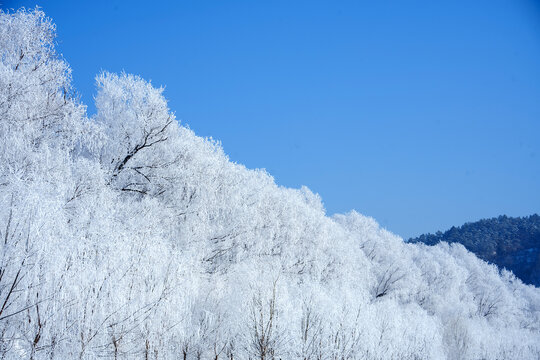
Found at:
[422, 114]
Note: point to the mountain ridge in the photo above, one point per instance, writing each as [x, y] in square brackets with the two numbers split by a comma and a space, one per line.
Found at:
[508, 242]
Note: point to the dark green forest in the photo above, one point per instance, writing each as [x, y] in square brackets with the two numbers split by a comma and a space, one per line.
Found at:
[509, 242]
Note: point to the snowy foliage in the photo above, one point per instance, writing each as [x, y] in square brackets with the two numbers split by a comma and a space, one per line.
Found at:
[127, 236]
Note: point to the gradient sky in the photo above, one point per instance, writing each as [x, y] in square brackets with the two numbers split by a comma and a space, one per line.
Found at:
[422, 114]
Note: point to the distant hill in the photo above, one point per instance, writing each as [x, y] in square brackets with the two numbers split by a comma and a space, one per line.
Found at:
[509, 242]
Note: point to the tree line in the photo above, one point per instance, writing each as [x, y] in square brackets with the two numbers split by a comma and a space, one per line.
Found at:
[125, 236]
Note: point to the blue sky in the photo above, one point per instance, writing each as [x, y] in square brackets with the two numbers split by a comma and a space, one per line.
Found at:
[422, 114]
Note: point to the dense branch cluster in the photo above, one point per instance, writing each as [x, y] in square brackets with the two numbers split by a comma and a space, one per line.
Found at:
[126, 236]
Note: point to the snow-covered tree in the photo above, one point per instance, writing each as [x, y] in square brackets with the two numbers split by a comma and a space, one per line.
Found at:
[127, 236]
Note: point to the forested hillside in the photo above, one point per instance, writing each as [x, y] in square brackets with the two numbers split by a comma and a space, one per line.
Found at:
[510, 243]
[126, 236]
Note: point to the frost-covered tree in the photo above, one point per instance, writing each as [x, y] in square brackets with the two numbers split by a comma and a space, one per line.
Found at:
[127, 236]
[141, 134]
